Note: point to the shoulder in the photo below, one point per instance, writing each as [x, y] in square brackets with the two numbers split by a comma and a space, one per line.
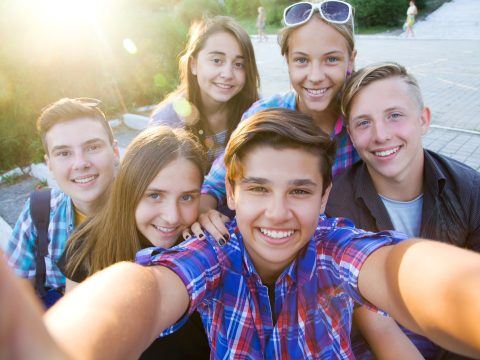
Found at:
[282, 100]
[165, 114]
[458, 175]
[342, 194]
[339, 239]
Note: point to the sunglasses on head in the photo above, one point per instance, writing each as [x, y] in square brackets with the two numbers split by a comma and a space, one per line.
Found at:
[333, 11]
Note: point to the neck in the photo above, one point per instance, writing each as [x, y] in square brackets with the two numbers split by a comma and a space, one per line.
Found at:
[85, 208]
[216, 114]
[405, 187]
[325, 119]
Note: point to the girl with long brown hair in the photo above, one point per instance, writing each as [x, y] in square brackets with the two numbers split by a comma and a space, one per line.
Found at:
[218, 81]
[153, 199]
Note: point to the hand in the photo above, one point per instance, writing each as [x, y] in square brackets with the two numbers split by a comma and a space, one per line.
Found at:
[212, 221]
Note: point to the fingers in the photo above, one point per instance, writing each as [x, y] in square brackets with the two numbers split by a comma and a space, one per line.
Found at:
[197, 230]
[214, 222]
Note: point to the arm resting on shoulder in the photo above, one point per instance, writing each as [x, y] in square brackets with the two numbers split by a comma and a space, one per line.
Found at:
[384, 336]
[429, 287]
[117, 312]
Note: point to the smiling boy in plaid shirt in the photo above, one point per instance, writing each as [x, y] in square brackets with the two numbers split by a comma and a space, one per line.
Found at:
[285, 284]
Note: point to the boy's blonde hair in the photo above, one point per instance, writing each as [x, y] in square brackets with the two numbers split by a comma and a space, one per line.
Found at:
[376, 72]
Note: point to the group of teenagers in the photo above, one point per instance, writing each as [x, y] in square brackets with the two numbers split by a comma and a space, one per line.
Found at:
[220, 229]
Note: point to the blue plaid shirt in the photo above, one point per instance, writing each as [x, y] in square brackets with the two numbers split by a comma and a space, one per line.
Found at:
[346, 156]
[314, 296]
[20, 251]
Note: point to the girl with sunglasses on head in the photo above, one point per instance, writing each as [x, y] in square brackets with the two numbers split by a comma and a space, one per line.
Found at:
[318, 44]
[154, 197]
[218, 81]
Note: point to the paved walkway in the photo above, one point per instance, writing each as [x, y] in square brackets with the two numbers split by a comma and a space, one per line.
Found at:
[448, 70]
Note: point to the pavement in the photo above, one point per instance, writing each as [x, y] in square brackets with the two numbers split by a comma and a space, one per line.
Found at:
[444, 56]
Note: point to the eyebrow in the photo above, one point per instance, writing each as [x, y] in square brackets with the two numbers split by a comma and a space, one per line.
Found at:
[88, 142]
[162, 191]
[223, 54]
[295, 182]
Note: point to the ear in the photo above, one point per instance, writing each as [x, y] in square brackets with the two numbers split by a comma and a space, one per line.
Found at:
[193, 66]
[351, 61]
[230, 195]
[425, 118]
[116, 153]
[47, 161]
[325, 198]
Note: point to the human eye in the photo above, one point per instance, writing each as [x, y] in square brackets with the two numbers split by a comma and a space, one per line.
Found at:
[62, 153]
[187, 197]
[300, 192]
[154, 196]
[239, 65]
[94, 147]
[362, 123]
[217, 60]
[395, 116]
[257, 189]
[333, 59]
[301, 60]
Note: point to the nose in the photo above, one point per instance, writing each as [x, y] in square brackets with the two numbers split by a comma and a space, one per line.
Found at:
[277, 209]
[382, 131]
[316, 72]
[227, 71]
[171, 212]
[81, 161]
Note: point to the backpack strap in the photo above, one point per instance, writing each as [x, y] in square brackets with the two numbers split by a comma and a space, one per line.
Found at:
[40, 213]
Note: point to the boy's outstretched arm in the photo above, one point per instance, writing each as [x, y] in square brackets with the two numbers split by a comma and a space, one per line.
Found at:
[117, 312]
[429, 287]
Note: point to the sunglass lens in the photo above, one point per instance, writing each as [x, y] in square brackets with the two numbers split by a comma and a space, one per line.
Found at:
[298, 13]
[335, 11]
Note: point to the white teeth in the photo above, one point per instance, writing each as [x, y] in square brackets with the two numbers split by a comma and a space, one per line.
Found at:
[85, 180]
[164, 229]
[316, 91]
[386, 152]
[224, 86]
[276, 234]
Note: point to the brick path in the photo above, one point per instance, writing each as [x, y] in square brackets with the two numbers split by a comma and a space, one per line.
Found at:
[447, 68]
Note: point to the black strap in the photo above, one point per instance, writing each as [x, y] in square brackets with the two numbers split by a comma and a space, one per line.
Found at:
[40, 213]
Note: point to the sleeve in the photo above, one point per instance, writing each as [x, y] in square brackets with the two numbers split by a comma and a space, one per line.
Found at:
[20, 249]
[349, 248]
[196, 263]
[214, 183]
[165, 114]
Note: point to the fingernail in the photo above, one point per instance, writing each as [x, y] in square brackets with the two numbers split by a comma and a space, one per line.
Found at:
[188, 236]
[201, 235]
[226, 236]
[222, 241]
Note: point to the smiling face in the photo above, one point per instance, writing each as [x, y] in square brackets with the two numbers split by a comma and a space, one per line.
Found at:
[219, 68]
[170, 203]
[318, 61]
[277, 206]
[82, 160]
[386, 125]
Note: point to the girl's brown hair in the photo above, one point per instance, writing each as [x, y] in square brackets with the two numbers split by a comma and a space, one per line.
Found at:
[198, 35]
[111, 235]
